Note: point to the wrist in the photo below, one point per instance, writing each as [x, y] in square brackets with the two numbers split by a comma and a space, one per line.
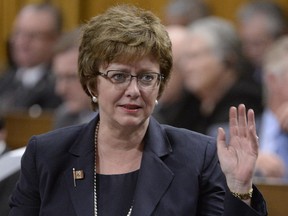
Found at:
[241, 187]
[243, 196]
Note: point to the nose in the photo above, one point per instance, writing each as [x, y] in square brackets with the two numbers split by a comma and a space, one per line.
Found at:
[132, 89]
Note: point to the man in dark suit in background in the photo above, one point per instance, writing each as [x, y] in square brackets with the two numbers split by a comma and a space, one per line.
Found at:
[29, 86]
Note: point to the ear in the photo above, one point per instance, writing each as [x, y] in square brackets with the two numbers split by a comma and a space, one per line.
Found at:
[91, 87]
[90, 92]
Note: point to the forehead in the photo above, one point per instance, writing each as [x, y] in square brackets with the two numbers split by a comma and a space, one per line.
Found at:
[144, 63]
[35, 20]
[198, 41]
[66, 62]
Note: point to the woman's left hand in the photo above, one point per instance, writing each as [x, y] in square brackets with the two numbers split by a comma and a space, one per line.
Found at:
[238, 157]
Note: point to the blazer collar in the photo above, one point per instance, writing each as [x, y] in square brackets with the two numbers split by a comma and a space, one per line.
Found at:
[84, 144]
[154, 175]
[155, 139]
[82, 152]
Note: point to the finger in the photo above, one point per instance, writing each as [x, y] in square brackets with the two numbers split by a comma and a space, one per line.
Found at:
[252, 131]
[221, 139]
[242, 120]
[233, 121]
[251, 120]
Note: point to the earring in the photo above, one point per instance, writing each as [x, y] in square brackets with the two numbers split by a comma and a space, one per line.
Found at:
[94, 99]
[156, 102]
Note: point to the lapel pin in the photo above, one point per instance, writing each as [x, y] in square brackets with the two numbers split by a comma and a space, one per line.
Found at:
[77, 175]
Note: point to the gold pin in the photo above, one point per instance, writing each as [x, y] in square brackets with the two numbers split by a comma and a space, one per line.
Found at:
[77, 175]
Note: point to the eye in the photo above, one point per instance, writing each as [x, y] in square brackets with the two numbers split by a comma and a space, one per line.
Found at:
[147, 77]
[118, 76]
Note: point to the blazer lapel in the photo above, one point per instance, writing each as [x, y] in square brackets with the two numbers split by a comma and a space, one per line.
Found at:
[154, 176]
[153, 180]
[82, 153]
[81, 191]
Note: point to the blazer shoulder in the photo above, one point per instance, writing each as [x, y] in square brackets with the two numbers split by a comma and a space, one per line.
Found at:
[195, 150]
[182, 135]
[190, 142]
[56, 141]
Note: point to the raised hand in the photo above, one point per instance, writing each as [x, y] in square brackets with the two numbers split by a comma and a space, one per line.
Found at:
[238, 157]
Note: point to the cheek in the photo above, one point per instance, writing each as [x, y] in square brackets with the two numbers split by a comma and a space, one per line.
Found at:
[213, 69]
[149, 98]
[203, 70]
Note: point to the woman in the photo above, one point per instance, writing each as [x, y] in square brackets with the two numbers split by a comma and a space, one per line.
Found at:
[124, 162]
[217, 74]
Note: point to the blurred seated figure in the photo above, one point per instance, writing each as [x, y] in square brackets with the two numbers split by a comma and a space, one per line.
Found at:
[216, 74]
[76, 105]
[30, 86]
[184, 12]
[174, 88]
[174, 101]
[273, 128]
[259, 24]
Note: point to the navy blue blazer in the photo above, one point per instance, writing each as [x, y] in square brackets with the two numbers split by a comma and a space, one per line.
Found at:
[179, 175]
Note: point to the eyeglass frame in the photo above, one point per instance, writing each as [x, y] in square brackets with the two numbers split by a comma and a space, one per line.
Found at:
[159, 78]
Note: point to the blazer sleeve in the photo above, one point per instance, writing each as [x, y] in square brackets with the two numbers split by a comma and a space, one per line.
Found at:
[214, 191]
[212, 187]
[234, 206]
[25, 199]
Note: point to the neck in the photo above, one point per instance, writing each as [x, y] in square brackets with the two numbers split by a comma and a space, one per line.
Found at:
[119, 152]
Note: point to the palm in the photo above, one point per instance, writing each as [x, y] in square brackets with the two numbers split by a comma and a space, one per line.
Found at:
[238, 158]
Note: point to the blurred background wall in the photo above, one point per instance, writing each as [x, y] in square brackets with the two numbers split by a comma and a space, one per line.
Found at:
[78, 11]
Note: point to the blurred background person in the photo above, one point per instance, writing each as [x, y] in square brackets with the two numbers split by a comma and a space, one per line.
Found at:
[76, 105]
[75, 108]
[30, 86]
[184, 12]
[27, 85]
[260, 23]
[273, 128]
[174, 100]
[174, 89]
[217, 74]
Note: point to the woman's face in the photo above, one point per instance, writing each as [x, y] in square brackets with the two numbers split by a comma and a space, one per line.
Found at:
[129, 104]
[202, 69]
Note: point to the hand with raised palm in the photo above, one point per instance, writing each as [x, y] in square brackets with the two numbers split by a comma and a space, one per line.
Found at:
[238, 156]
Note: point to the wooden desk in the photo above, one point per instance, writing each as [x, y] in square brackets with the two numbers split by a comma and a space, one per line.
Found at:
[20, 127]
[276, 196]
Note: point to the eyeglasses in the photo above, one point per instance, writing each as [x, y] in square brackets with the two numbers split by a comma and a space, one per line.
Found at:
[122, 79]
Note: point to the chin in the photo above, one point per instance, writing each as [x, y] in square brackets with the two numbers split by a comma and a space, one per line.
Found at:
[132, 122]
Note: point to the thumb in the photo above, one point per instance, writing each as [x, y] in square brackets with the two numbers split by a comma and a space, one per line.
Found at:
[221, 139]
